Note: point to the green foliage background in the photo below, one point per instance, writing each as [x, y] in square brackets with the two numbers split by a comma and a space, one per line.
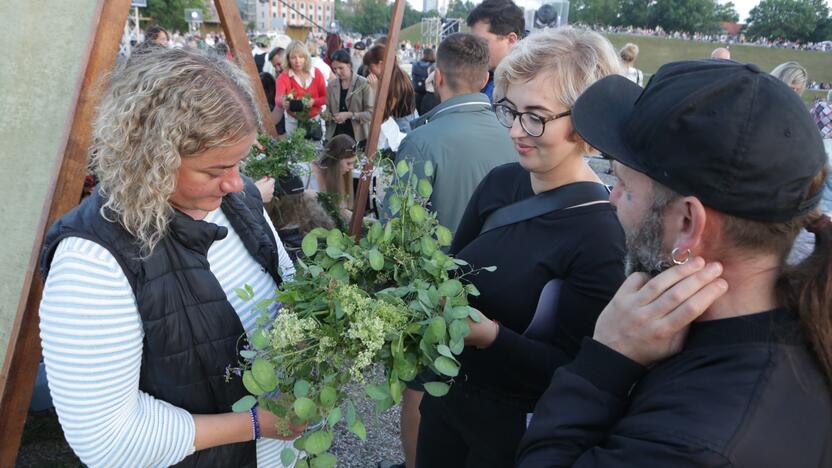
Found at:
[796, 20]
[803, 20]
[170, 14]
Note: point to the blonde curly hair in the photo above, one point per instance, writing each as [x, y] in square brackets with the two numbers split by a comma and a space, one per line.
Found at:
[163, 105]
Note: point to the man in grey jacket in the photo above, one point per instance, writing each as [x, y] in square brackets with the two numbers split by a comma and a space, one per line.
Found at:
[461, 136]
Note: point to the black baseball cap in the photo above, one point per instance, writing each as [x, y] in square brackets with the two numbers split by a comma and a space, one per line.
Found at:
[727, 133]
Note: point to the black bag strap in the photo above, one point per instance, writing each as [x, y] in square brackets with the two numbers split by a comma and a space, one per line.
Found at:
[567, 196]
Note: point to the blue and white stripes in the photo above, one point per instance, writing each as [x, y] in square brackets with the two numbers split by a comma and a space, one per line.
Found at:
[92, 335]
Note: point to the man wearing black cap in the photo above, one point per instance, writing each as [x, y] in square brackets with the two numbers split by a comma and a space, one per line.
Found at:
[714, 353]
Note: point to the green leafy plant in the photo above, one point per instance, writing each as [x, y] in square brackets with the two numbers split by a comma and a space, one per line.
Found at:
[279, 158]
[393, 300]
[309, 125]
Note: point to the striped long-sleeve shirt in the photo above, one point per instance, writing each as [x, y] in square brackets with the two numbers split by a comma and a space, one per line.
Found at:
[92, 334]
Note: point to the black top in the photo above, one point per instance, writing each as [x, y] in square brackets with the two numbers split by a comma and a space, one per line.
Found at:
[190, 330]
[744, 392]
[582, 246]
[346, 127]
[260, 61]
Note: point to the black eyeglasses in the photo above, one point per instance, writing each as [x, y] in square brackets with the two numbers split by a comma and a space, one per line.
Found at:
[531, 123]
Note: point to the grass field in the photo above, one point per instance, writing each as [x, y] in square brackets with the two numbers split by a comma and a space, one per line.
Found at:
[656, 51]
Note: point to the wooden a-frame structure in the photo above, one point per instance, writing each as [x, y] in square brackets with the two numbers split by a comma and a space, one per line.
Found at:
[24, 352]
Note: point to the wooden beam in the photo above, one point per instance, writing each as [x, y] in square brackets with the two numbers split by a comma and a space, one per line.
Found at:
[378, 114]
[235, 33]
[23, 354]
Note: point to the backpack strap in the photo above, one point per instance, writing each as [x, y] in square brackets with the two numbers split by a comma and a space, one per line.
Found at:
[567, 196]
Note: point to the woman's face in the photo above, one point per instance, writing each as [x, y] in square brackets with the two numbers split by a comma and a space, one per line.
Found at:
[297, 62]
[162, 39]
[203, 179]
[348, 164]
[276, 61]
[342, 70]
[548, 151]
[377, 68]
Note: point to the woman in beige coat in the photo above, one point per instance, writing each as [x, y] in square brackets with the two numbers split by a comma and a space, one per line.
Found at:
[349, 100]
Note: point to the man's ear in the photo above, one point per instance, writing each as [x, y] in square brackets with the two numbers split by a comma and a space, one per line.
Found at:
[513, 38]
[484, 80]
[438, 79]
[685, 222]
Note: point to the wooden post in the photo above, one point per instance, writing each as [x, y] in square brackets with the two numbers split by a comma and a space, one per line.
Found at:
[378, 114]
[24, 352]
[235, 34]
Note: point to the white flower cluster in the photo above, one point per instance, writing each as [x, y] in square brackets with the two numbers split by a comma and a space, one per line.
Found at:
[369, 330]
[326, 345]
[371, 320]
[289, 330]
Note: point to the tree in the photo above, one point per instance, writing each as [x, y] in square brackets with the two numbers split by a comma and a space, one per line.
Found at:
[411, 15]
[685, 15]
[343, 15]
[634, 13]
[727, 12]
[170, 14]
[795, 20]
[370, 17]
[824, 31]
[594, 11]
[459, 8]
[823, 28]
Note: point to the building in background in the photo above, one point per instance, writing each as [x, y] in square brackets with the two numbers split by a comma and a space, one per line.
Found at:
[277, 15]
[248, 10]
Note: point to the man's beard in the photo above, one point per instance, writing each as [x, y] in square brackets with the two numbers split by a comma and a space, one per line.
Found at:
[644, 245]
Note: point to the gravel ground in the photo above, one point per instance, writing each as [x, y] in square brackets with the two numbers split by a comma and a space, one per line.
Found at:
[382, 437]
[44, 446]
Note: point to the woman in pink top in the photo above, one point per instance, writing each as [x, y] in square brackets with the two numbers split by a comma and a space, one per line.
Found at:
[297, 80]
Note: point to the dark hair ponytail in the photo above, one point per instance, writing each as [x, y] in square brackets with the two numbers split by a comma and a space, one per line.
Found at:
[807, 288]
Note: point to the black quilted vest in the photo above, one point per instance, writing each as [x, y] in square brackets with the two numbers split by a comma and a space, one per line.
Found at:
[191, 331]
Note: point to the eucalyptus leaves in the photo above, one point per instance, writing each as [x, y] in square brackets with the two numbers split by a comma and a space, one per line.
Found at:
[393, 299]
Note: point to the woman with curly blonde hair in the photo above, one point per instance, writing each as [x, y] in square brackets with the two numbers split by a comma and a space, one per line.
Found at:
[139, 318]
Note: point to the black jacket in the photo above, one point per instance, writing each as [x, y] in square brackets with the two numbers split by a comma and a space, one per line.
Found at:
[744, 392]
[191, 331]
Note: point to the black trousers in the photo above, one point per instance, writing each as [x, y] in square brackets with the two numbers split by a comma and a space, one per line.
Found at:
[467, 429]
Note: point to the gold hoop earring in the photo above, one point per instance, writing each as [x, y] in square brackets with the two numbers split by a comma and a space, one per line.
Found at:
[677, 261]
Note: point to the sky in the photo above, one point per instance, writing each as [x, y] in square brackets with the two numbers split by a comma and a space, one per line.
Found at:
[743, 6]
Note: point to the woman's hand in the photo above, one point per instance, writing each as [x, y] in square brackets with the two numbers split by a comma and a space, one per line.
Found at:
[269, 423]
[373, 80]
[342, 117]
[647, 319]
[266, 188]
[483, 333]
